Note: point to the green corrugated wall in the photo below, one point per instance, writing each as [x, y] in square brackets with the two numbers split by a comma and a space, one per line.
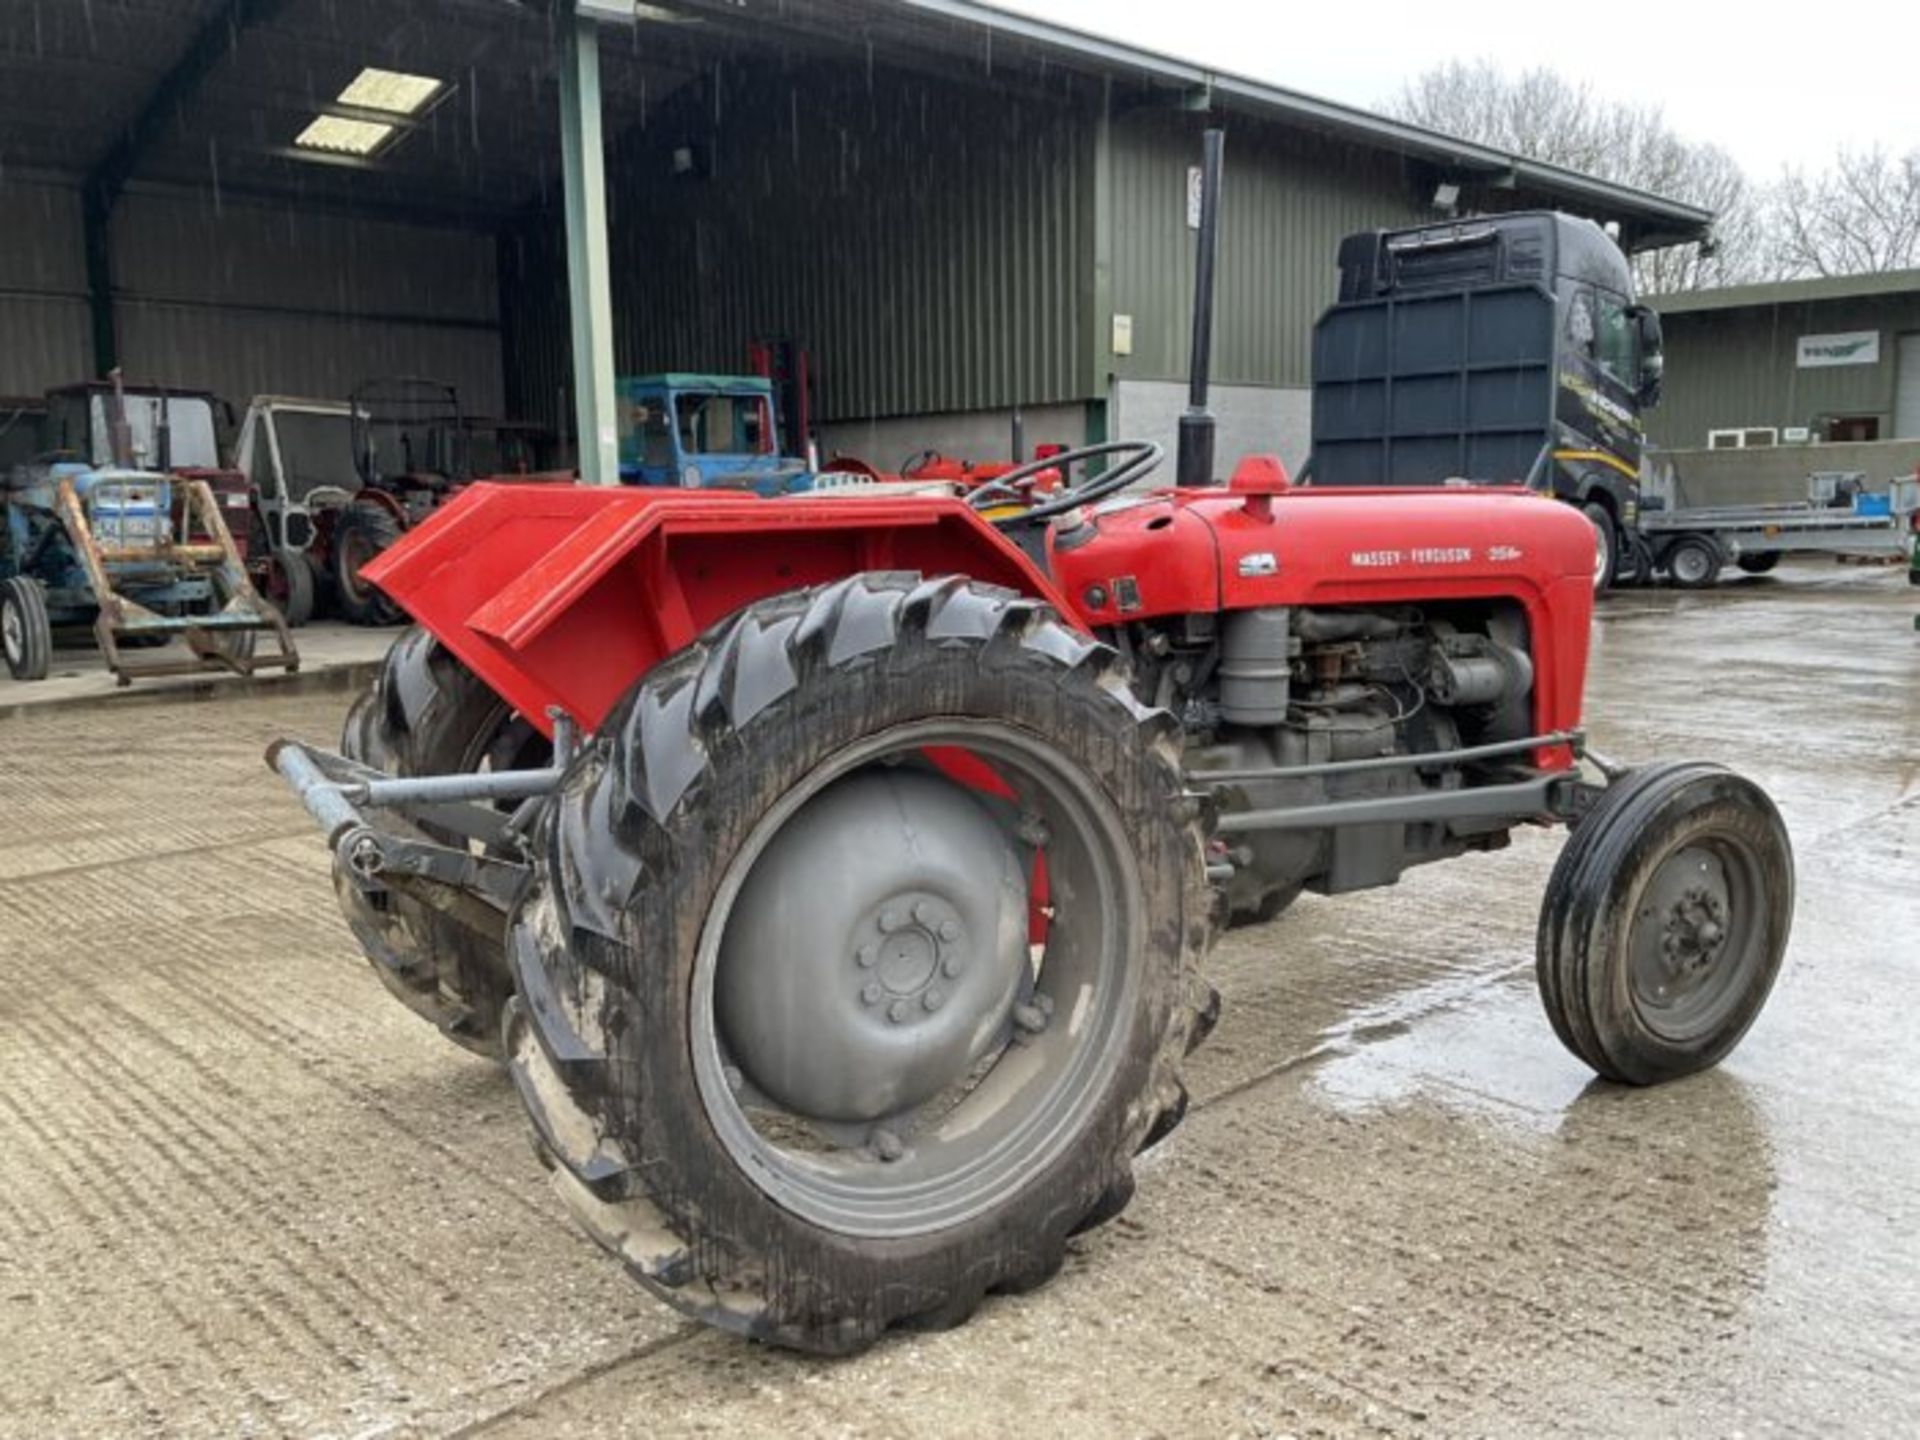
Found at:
[1730, 369]
[934, 244]
[1287, 201]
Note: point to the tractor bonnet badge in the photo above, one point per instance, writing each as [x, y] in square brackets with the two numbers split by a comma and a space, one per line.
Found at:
[1261, 562]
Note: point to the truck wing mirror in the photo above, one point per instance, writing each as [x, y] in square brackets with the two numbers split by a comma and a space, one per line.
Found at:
[1648, 322]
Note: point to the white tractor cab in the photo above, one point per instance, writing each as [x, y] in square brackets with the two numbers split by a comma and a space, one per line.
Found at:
[297, 455]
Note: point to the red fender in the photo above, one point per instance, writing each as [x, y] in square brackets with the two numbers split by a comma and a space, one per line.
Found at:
[564, 595]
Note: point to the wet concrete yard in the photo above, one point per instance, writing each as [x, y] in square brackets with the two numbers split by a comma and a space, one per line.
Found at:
[243, 1192]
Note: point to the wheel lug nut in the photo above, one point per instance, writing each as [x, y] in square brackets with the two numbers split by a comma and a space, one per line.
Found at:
[897, 1012]
[735, 1080]
[887, 1145]
[865, 956]
[872, 993]
[949, 930]
[923, 912]
[1032, 830]
[952, 966]
[933, 999]
[890, 921]
[1029, 1018]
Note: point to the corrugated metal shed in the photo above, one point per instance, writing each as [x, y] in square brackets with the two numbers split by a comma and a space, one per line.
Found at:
[246, 298]
[1288, 200]
[929, 246]
[43, 307]
[1736, 367]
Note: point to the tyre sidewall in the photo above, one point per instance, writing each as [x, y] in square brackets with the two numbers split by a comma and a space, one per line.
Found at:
[1622, 861]
[858, 1285]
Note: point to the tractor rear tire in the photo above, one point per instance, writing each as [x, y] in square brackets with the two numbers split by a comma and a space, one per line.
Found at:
[1665, 922]
[26, 635]
[362, 532]
[620, 1040]
[428, 714]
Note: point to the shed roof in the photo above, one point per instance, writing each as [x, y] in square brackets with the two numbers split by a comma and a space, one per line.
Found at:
[1791, 292]
[210, 93]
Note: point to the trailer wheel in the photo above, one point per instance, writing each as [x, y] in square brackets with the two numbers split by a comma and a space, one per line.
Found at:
[289, 585]
[1665, 922]
[427, 714]
[1760, 562]
[1606, 554]
[1693, 563]
[360, 533]
[26, 635]
[780, 1028]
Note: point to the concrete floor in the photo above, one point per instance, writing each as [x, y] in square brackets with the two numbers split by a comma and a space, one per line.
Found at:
[245, 1193]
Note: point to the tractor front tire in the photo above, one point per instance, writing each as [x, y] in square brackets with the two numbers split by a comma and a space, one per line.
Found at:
[1665, 922]
[360, 533]
[428, 714]
[289, 584]
[668, 981]
[26, 634]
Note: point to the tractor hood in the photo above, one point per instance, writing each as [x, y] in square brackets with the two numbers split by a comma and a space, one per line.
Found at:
[1196, 552]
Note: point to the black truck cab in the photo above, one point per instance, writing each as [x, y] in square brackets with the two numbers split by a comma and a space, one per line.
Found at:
[1506, 349]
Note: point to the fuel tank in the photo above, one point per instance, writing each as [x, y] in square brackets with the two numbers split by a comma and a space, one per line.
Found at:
[1183, 552]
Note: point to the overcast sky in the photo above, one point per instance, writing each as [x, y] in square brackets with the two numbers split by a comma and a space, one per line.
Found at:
[1773, 86]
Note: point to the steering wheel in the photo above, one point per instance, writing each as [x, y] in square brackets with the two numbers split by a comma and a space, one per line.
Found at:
[1138, 459]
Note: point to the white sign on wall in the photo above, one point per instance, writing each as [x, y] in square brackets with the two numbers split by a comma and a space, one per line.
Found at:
[1856, 347]
[1195, 185]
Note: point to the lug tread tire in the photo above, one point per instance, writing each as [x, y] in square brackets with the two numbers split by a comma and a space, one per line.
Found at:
[298, 572]
[25, 595]
[428, 714]
[1583, 908]
[671, 785]
[382, 528]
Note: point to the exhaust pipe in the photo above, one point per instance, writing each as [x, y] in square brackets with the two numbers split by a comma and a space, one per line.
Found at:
[1196, 426]
[119, 432]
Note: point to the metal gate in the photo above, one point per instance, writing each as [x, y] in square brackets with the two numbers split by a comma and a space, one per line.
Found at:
[1906, 396]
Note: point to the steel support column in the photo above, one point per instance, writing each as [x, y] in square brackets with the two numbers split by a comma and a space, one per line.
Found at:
[96, 220]
[589, 288]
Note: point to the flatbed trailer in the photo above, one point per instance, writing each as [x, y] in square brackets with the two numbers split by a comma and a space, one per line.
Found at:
[1690, 545]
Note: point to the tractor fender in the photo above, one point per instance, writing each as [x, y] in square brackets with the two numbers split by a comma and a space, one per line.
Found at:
[565, 595]
[383, 500]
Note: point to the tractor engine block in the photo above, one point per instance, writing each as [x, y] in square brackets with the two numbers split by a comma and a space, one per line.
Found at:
[1287, 689]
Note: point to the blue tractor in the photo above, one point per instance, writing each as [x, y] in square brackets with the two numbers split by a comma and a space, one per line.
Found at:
[107, 530]
[705, 432]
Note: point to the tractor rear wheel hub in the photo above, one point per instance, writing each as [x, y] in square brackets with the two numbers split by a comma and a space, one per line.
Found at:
[876, 949]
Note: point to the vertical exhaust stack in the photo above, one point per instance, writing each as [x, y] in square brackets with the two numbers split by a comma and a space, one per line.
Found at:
[1196, 426]
[119, 432]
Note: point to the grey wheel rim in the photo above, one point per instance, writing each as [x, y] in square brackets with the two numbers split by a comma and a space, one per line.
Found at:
[13, 631]
[1018, 1106]
[1691, 564]
[1696, 942]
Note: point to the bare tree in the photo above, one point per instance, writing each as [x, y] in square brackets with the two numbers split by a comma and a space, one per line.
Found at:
[1541, 114]
[1861, 216]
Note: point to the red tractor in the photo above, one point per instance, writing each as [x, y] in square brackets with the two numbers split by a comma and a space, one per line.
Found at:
[835, 875]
